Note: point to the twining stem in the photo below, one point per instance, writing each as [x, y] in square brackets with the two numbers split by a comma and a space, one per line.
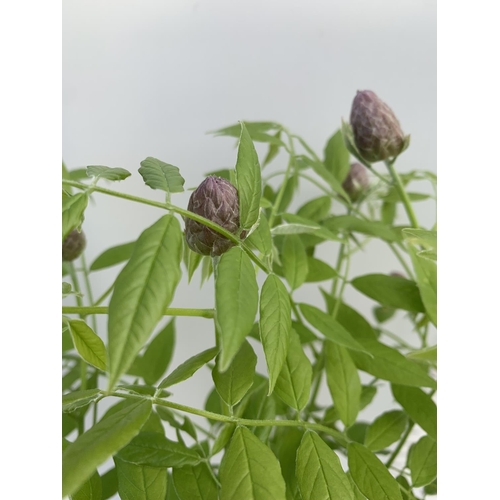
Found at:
[341, 439]
[402, 193]
[171, 311]
[177, 210]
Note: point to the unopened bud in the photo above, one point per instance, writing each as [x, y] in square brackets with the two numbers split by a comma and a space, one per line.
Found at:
[215, 199]
[377, 132]
[356, 182]
[73, 245]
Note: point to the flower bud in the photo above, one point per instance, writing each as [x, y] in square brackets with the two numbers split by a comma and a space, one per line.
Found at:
[73, 245]
[377, 132]
[215, 199]
[356, 182]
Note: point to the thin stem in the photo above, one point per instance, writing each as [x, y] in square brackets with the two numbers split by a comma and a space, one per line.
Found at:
[281, 192]
[104, 295]
[177, 210]
[88, 289]
[171, 311]
[338, 264]
[401, 342]
[401, 443]
[341, 439]
[342, 287]
[401, 260]
[402, 193]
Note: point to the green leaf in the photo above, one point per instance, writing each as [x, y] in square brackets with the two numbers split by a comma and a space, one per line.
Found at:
[195, 483]
[74, 400]
[330, 328]
[316, 209]
[73, 208]
[319, 271]
[249, 470]
[91, 449]
[160, 175]
[111, 174]
[153, 364]
[222, 438]
[337, 156]
[393, 196]
[189, 368]
[419, 406]
[294, 260]
[261, 238]
[426, 273]
[109, 484]
[392, 291]
[357, 432]
[192, 260]
[423, 462]
[274, 149]
[113, 256]
[236, 301]
[426, 355]
[235, 382]
[88, 344]
[139, 482]
[385, 430]
[294, 382]
[368, 392]
[370, 474]
[343, 381]
[389, 364]
[90, 490]
[348, 137]
[143, 290]
[155, 450]
[353, 224]
[319, 473]
[383, 313]
[321, 233]
[248, 180]
[422, 237]
[293, 228]
[275, 325]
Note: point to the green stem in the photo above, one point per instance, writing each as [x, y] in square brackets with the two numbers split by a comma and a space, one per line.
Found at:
[402, 193]
[341, 439]
[338, 264]
[344, 281]
[88, 289]
[104, 295]
[403, 439]
[317, 381]
[401, 260]
[401, 443]
[171, 311]
[281, 192]
[177, 210]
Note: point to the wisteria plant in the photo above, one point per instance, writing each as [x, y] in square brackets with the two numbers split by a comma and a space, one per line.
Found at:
[257, 436]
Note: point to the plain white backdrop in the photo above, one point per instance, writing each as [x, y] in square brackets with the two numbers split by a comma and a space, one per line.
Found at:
[151, 78]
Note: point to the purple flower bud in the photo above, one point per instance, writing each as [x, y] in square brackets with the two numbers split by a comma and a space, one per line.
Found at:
[73, 245]
[377, 132]
[356, 182]
[215, 199]
[397, 274]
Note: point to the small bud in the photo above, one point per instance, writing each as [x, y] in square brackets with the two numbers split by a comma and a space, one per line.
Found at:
[397, 274]
[356, 182]
[215, 199]
[377, 132]
[73, 245]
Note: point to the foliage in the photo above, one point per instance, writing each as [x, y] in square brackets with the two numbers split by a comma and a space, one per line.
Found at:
[265, 436]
